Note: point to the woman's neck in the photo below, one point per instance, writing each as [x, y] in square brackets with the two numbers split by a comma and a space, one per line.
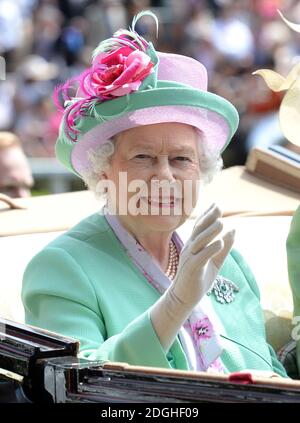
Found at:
[157, 244]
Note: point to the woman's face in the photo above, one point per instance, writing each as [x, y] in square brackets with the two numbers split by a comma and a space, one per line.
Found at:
[158, 166]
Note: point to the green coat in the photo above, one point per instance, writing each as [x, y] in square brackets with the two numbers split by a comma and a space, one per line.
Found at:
[293, 259]
[84, 285]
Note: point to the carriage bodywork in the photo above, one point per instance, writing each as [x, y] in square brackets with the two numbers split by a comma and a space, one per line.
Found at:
[42, 367]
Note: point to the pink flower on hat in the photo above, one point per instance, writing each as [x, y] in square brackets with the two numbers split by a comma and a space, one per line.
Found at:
[120, 65]
[115, 74]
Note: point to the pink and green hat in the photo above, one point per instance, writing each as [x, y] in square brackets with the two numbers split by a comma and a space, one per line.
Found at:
[130, 84]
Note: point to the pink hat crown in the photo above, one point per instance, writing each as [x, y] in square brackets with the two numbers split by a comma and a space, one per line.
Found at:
[182, 69]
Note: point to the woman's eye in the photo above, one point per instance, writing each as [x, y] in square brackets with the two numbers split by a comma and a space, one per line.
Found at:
[142, 156]
[183, 159]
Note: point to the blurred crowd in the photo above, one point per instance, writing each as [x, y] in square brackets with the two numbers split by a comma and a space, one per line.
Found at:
[44, 42]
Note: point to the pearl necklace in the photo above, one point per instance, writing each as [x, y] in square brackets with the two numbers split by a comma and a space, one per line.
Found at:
[173, 261]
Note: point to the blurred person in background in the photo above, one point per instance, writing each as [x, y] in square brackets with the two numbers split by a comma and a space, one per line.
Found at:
[33, 106]
[104, 17]
[15, 174]
[232, 35]
[47, 23]
[11, 30]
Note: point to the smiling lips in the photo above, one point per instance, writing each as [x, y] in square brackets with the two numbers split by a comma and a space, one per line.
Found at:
[161, 202]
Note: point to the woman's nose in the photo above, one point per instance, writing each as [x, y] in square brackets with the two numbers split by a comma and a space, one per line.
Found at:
[163, 170]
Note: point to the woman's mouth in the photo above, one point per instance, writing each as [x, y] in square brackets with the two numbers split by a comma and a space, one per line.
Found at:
[160, 202]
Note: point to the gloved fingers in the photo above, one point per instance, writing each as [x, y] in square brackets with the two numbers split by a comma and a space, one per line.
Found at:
[195, 277]
[201, 259]
[203, 215]
[204, 221]
[206, 236]
[228, 240]
[205, 212]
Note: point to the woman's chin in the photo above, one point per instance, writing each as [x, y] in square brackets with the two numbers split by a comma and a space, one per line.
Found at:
[160, 222]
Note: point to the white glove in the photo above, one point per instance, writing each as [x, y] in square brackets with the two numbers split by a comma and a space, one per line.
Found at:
[198, 267]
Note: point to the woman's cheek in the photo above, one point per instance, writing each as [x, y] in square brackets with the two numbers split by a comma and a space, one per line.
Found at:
[140, 171]
[188, 173]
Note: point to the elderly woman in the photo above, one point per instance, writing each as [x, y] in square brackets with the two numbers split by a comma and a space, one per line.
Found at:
[121, 280]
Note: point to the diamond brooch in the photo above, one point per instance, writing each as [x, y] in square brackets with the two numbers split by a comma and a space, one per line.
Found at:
[223, 290]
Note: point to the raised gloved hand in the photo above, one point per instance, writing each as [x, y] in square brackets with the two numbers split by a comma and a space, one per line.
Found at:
[199, 264]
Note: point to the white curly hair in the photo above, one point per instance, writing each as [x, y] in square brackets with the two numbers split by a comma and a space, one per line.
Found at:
[100, 158]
